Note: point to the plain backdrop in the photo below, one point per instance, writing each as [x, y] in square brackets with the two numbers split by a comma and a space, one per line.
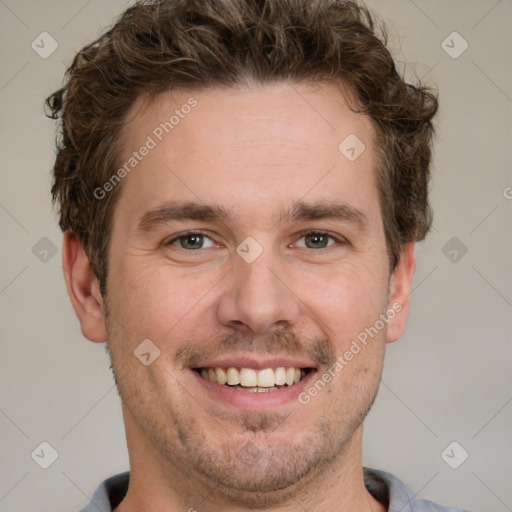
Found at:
[447, 380]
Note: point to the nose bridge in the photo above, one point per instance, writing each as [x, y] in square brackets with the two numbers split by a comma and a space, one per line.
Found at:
[257, 280]
[258, 297]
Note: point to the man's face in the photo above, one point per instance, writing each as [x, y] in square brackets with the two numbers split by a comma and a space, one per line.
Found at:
[282, 263]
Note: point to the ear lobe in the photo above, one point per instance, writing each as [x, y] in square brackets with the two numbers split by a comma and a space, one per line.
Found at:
[399, 291]
[83, 289]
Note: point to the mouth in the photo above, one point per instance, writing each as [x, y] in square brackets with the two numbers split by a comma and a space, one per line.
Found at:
[250, 380]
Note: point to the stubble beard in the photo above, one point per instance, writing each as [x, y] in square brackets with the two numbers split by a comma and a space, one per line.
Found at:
[261, 464]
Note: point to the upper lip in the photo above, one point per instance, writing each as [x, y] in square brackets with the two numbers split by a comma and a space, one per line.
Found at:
[255, 363]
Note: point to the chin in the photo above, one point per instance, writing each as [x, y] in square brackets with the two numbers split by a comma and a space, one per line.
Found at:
[264, 469]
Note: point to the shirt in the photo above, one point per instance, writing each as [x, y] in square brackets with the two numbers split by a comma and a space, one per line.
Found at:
[383, 486]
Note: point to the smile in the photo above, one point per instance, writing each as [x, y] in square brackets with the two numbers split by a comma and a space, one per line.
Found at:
[254, 381]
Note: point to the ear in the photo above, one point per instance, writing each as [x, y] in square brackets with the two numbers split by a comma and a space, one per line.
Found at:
[83, 289]
[399, 291]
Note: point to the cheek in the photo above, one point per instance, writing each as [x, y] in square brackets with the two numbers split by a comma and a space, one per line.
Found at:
[348, 300]
[156, 301]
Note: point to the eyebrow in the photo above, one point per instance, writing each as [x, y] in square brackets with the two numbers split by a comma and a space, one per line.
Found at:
[300, 211]
[321, 210]
[177, 210]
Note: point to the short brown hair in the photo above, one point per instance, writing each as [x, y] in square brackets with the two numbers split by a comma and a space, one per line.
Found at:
[163, 45]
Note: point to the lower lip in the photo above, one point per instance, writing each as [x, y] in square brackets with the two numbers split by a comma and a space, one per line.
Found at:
[254, 401]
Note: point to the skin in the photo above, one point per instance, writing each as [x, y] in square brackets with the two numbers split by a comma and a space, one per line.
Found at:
[255, 151]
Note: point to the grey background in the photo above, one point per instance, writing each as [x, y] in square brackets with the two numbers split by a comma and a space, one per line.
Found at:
[448, 379]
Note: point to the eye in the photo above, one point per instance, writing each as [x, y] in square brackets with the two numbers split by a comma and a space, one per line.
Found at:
[318, 240]
[191, 241]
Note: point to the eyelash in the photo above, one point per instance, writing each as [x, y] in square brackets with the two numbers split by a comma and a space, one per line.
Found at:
[338, 239]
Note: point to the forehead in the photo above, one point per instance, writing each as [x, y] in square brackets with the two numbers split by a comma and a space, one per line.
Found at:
[301, 113]
[278, 143]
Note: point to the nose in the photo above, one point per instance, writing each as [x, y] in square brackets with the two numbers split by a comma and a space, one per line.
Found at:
[257, 298]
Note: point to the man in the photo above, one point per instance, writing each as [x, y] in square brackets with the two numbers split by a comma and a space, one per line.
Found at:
[240, 185]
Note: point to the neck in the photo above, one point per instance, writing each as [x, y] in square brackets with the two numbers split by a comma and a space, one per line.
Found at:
[157, 484]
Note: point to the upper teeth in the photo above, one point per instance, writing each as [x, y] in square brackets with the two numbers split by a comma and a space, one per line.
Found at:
[247, 377]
